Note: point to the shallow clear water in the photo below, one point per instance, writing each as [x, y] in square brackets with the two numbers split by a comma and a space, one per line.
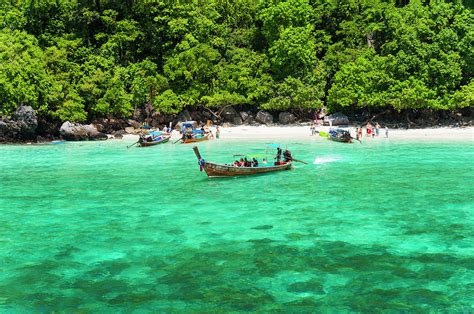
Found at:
[96, 227]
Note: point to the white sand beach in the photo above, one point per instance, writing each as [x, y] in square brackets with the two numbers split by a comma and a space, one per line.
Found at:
[304, 132]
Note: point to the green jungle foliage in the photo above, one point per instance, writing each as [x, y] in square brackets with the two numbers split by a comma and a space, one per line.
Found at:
[83, 59]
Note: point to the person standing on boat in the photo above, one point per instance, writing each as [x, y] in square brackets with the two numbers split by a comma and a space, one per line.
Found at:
[278, 156]
[287, 155]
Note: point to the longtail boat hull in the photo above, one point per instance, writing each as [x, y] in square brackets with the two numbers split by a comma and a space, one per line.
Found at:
[153, 143]
[340, 140]
[340, 135]
[195, 140]
[214, 170]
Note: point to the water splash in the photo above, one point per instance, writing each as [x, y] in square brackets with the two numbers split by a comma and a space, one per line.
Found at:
[325, 160]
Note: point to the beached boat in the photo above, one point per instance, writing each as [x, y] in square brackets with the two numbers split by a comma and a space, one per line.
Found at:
[221, 170]
[153, 142]
[196, 139]
[339, 135]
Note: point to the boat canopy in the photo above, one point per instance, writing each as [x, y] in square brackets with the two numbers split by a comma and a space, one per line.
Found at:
[155, 133]
[338, 131]
[186, 126]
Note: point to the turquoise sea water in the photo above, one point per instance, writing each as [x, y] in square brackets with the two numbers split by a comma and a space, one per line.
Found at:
[96, 227]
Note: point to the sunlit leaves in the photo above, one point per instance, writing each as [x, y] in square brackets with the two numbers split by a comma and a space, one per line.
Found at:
[24, 79]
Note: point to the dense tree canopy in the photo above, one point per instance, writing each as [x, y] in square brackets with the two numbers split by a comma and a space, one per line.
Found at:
[79, 60]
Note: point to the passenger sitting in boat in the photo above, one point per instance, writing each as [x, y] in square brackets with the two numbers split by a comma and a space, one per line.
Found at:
[247, 163]
[264, 161]
[254, 162]
[236, 163]
[149, 139]
[242, 162]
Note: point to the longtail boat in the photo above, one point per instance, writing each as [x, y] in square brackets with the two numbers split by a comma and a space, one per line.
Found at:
[196, 139]
[143, 142]
[221, 170]
[339, 135]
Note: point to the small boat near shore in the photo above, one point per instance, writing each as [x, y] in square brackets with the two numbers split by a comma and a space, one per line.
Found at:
[221, 170]
[144, 142]
[196, 139]
[193, 135]
[339, 135]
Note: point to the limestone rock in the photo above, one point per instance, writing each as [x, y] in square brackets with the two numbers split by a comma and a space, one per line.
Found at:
[337, 118]
[286, 118]
[264, 117]
[80, 132]
[244, 115]
[184, 116]
[229, 114]
[237, 121]
[21, 127]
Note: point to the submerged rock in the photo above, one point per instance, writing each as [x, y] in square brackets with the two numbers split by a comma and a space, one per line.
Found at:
[79, 132]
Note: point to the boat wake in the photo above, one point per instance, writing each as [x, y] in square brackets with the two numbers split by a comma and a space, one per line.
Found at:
[325, 160]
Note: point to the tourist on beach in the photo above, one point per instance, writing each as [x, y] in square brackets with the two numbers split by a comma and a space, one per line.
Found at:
[312, 128]
[218, 133]
[369, 129]
[386, 132]
[377, 129]
[357, 133]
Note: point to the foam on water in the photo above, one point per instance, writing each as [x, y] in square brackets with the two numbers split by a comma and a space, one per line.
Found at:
[325, 160]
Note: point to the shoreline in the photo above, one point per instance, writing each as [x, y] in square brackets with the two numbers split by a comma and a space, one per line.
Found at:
[304, 132]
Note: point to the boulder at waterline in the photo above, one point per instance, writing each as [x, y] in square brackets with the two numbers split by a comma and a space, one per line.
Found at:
[21, 127]
[79, 132]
